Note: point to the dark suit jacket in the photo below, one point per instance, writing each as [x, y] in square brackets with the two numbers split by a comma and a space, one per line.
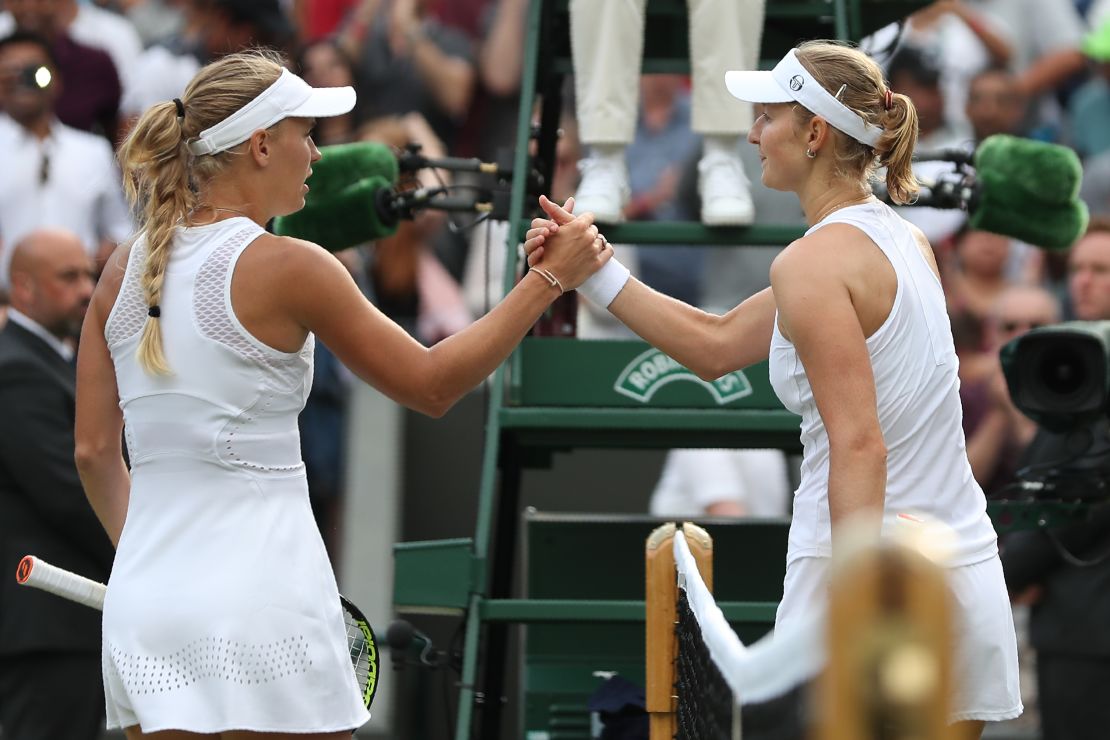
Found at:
[43, 509]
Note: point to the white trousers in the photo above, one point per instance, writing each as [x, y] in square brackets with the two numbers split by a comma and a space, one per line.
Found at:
[607, 43]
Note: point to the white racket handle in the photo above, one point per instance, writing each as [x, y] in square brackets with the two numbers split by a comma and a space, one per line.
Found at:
[41, 574]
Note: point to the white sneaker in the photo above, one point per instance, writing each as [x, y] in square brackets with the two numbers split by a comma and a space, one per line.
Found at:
[604, 188]
[726, 198]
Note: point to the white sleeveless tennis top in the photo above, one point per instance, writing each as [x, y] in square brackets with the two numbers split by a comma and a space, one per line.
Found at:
[917, 391]
[222, 611]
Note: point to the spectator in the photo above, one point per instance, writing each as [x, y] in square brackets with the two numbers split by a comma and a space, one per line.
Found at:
[319, 19]
[961, 39]
[995, 104]
[155, 20]
[324, 63]
[95, 27]
[53, 175]
[90, 98]
[996, 432]
[408, 62]
[663, 144]
[1089, 106]
[1095, 190]
[975, 276]
[1064, 573]
[1046, 38]
[223, 27]
[492, 120]
[409, 282]
[915, 73]
[49, 647]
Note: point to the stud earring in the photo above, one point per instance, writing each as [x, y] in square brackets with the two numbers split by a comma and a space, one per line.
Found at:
[811, 154]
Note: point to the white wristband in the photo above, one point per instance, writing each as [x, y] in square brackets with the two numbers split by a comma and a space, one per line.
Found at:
[604, 285]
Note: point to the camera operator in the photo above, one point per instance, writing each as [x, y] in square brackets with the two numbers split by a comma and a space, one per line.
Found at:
[1065, 573]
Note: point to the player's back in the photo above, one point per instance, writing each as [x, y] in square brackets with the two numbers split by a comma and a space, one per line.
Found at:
[229, 399]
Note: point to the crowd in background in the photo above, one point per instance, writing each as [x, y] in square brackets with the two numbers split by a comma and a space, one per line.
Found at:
[446, 74]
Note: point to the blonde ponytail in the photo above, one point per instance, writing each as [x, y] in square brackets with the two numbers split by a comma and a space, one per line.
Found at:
[896, 146]
[154, 159]
[859, 80]
[162, 178]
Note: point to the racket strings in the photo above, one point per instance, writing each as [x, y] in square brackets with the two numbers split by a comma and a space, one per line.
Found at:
[363, 652]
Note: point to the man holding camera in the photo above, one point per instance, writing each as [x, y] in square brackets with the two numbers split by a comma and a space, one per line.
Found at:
[53, 175]
[1065, 572]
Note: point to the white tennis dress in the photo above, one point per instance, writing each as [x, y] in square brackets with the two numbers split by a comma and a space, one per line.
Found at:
[222, 611]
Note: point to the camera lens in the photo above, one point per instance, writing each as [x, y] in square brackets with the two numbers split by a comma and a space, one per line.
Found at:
[35, 77]
[1062, 371]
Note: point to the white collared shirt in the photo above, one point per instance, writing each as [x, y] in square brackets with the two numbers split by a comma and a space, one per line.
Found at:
[68, 180]
[22, 319]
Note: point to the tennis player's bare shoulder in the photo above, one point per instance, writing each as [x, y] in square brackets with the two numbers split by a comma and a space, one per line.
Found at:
[294, 267]
[279, 255]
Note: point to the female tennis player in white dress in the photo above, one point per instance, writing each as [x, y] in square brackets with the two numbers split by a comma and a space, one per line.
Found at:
[222, 614]
[855, 328]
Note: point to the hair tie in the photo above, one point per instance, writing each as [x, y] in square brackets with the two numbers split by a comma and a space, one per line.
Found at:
[889, 103]
[180, 107]
[154, 311]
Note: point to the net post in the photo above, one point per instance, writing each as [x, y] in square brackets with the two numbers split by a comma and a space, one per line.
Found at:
[889, 642]
[661, 595]
[701, 547]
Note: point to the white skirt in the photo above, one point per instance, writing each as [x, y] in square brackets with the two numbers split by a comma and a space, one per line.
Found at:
[985, 667]
[222, 612]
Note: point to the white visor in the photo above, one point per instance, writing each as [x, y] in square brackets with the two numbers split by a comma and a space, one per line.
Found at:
[788, 82]
[288, 97]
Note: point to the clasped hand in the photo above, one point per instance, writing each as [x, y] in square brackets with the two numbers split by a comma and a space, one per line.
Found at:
[570, 247]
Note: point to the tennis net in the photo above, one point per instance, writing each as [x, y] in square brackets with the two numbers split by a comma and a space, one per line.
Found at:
[716, 674]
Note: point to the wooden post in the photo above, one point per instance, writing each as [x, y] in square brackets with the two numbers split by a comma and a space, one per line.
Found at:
[889, 638]
[701, 547]
[660, 596]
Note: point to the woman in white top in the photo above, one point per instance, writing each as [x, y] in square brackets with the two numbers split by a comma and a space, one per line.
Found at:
[854, 325]
[222, 615]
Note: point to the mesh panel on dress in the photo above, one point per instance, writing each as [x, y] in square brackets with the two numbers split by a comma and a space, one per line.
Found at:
[129, 314]
[213, 316]
[211, 658]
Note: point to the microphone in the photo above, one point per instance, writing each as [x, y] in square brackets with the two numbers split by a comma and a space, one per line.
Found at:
[411, 160]
[953, 155]
[1021, 188]
[401, 636]
[353, 198]
[1029, 190]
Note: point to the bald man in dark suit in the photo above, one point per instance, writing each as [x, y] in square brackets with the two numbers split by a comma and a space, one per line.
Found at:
[50, 682]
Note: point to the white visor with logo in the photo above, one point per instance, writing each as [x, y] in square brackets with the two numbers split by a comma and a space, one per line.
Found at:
[288, 97]
[789, 82]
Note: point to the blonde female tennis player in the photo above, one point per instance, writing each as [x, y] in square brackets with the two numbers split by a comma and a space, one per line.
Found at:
[860, 346]
[222, 614]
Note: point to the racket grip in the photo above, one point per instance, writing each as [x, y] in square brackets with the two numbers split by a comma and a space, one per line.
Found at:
[40, 574]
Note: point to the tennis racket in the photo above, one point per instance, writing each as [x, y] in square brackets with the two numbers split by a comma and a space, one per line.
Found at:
[360, 637]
